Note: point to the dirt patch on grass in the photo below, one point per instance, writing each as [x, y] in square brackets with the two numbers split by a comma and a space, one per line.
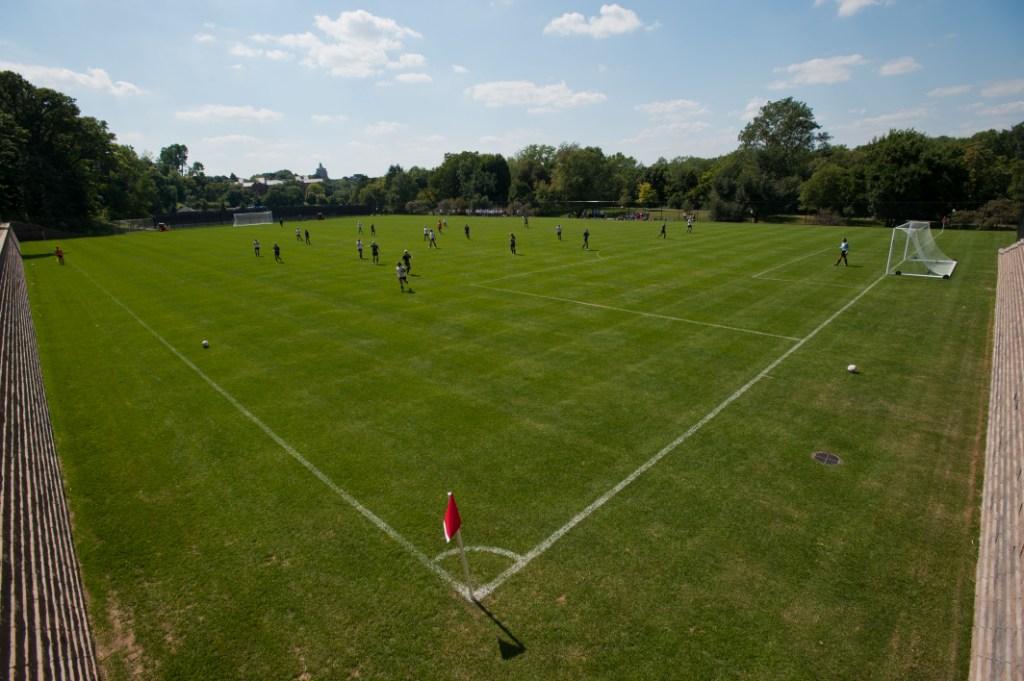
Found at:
[119, 644]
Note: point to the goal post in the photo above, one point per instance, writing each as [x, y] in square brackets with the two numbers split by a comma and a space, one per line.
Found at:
[261, 218]
[914, 253]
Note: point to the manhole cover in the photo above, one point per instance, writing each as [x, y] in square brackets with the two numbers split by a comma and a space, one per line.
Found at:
[827, 458]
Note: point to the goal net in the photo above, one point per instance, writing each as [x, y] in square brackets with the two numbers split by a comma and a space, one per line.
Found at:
[913, 252]
[264, 218]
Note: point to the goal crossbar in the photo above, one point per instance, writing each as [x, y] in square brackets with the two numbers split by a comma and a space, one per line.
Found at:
[918, 255]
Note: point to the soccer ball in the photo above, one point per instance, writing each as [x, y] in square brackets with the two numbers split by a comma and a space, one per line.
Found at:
[852, 368]
[206, 344]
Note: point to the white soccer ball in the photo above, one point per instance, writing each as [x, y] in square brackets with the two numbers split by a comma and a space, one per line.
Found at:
[206, 344]
[852, 368]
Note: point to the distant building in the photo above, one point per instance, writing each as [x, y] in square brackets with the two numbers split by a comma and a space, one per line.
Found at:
[321, 172]
[258, 182]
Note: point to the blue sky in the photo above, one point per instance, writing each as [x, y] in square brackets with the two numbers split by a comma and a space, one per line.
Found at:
[259, 86]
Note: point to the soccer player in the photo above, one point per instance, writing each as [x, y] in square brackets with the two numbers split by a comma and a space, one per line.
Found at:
[663, 234]
[425, 230]
[586, 239]
[433, 243]
[298, 234]
[281, 222]
[375, 252]
[689, 223]
[373, 230]
[843, 248]
[277, 253]
[440, 226]
[466, 230]
[359, 247]
[401, 272]
[526, 222]
[256, 247]
[59, 252]
[558, 231]
[307, 238]
[407, 259]
[512, 242]
[359, 227]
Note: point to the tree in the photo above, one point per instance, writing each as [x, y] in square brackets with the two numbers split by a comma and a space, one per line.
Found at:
[782, 137]
[646, 194]
[174, 157]
[281, 195]
[316, 194]
[829, 188]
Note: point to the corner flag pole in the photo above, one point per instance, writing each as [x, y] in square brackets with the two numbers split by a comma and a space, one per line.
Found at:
[465, 563]
[453, 528]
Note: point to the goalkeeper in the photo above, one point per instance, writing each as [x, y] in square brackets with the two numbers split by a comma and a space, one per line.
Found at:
[843, 248]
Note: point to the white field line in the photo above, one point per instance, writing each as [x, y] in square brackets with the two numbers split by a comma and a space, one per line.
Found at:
[543, 546]
[457, 586]
[806, 281]
[480, 549]
[790, 262]
[546, 269]
[638, 312]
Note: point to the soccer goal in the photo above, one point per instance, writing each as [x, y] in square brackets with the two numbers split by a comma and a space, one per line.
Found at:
[264, 218]
[914, 253]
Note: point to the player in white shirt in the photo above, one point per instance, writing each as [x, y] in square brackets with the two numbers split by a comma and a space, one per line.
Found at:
[843, 248]
[558, 231]
[425, 230]
[689, 222]
[298, 234]
[400, 272]
[256, 247]
[359, 247]
[433, 243]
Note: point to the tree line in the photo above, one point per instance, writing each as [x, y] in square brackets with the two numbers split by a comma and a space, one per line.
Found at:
[60, 168]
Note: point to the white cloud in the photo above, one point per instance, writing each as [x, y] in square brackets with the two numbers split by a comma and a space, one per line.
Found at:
[225, 140]
[752, 109]
[1003, 109]
[381, 128]
[459, 69]
[240, 50]
[949, 91]
[885, 122]
[92, 79]
[613, 19]
[847, 8]
[1004, 88]
[672, 107]
[898, 67]
[537, 98]
[408, 61]
[203, 38]
[328, 118]
[668, 130]
[221, 112]
[414, 78]
[357, 44]
[820, 71]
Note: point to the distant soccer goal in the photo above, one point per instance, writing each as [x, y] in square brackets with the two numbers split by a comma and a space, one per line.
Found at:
[914, 253]
[264, 218]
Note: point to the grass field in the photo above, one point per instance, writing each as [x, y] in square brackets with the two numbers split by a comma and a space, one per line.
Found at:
[215, 492]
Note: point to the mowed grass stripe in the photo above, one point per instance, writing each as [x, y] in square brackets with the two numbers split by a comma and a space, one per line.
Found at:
[232, 566]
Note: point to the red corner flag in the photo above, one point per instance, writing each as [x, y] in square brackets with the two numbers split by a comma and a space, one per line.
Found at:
[452, 521]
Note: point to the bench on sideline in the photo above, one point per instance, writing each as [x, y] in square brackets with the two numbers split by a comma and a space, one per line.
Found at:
[45, 630]
[997, 641]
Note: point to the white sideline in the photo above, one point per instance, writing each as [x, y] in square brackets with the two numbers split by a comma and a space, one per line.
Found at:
[540, 548]
[637, 312]
[457, 586]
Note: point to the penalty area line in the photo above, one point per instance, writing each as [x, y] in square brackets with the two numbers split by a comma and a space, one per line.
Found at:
[539, 549]
[376, 520]
[653, 315]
